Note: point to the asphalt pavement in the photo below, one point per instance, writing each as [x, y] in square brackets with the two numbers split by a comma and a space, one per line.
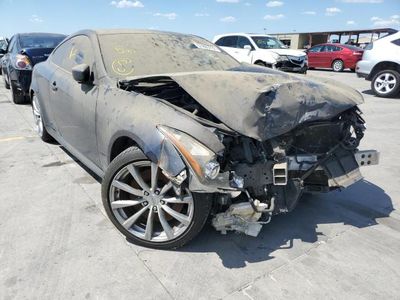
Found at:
[57, 243]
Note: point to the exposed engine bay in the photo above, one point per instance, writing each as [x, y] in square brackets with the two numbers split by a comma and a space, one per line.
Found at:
[262, 177]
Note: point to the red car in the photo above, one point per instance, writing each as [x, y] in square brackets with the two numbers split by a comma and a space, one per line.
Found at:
[335, 56]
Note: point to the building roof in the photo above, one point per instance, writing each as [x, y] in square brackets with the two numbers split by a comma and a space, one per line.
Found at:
[347, 31]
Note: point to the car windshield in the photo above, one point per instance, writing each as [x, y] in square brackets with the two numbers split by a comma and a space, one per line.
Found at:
[40, 41]
[267, 42]
[138, 54]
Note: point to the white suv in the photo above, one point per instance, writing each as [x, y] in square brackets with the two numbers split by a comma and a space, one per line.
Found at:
[264, 50]
[381, 65]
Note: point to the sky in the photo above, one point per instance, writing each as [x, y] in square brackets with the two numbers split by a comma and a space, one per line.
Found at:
[205, 18]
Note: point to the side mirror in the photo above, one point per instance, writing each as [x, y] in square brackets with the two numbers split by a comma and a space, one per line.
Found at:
[81, 73]
[247, 47]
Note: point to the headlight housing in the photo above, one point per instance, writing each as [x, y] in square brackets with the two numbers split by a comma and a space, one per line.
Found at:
[201, 160]
[282, 58]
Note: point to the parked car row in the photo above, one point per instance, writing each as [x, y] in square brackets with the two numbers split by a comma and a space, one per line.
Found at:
[22, 53]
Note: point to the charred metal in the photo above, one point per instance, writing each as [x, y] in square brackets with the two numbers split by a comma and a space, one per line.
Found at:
[191, 132]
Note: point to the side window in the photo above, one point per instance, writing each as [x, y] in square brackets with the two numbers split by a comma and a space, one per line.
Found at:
[75, 51]
[11, 45]
[243, 41]
[331, 48]
[227, 41]
[315, 49]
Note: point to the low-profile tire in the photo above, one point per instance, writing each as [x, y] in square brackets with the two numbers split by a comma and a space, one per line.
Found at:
[337, 65]
[386, 83]
[142, 203]
[6, 84]
[17, 97]
[38, 121]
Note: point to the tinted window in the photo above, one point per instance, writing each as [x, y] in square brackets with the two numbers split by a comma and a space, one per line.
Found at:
[332, 48]
[228, 41]
[40, 41]
[316, 49]
[133, 54]
[11, 47]
[73, 52]
[243, 41]
[353, 48]
[396, 42]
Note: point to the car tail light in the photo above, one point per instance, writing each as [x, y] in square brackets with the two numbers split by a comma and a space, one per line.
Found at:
[22, 62]
[357, 53]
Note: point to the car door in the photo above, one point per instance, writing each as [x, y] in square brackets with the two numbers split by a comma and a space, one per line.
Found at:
[229, 44]
[242, 54]
[314, 56]
[74, 104]
[326, 56]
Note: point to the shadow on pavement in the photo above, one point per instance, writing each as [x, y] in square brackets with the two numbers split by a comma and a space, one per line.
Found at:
[358, 206]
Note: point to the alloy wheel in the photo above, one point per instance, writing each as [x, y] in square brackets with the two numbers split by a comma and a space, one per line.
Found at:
[147, 204]
[385, 83]
[337, 66]
[37, 116]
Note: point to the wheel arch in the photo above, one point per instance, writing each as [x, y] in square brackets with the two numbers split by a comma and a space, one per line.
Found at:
[121, 142]
[383, 65]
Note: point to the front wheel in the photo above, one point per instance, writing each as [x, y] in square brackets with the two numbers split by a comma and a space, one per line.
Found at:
[386, 83]
[260, 63]
[17, 96]
[145, 206]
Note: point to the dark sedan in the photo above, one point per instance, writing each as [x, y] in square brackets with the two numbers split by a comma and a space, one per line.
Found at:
[23, 52]
[3, 47]
[179, 131]
[334, 56]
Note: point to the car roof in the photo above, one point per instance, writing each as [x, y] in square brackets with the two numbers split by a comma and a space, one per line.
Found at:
[244, 33]
[123, 31]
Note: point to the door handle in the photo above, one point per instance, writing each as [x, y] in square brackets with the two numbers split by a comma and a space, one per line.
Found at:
[54, 86]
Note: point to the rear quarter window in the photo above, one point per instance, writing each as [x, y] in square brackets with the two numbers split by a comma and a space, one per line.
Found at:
[396, 42]
[227, 41]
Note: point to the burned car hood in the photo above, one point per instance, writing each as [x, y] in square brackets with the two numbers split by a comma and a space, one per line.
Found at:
[263, 104]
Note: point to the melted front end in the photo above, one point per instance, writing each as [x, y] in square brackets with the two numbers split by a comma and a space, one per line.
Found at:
[316, 157]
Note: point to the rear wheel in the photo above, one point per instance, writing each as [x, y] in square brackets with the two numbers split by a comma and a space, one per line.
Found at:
[17, 96]
[386, 83]
[39, 125]
[337, 65]
[144, 205]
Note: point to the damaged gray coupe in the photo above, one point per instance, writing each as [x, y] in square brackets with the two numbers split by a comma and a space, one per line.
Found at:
[180, 132]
